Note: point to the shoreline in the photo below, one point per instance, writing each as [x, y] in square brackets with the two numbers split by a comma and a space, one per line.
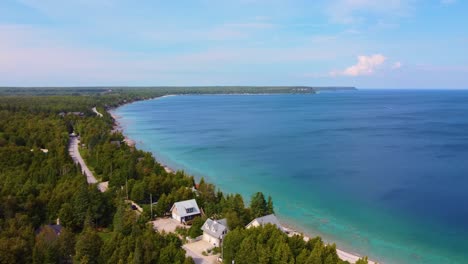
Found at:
[346, 255]
[117, 127]
[342, 254]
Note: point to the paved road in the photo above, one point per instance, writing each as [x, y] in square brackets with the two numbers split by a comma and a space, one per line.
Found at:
[76, 156]
[96, 111]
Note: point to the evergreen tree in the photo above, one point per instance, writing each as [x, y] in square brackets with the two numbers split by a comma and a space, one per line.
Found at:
[258, 205]
[67, 216]
[66, 244]
[247, 252]
[189, 260]
[270, 209]
[88, 246]
[46, 248]
[264, 254]
[138, 192]
[316, 254]
[195, 229]
[302, 257]
[233, 220]
[363, 260]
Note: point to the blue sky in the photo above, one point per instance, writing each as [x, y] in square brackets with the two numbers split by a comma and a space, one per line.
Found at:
[363, 43]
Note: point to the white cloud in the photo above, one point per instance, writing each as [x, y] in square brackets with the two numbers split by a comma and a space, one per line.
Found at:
[366, 65]
[396, 65]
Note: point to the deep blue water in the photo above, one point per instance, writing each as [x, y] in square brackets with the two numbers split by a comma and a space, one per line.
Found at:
[381, 173]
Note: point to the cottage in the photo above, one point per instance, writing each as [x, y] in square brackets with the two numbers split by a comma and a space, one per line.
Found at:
[214, 231]
[185, 211]
[267, 219]
[50, 231]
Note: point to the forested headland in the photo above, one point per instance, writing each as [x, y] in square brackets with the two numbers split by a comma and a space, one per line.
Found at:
[39, 183]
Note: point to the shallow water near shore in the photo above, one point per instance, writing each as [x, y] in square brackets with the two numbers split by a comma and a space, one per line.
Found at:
[382, 173]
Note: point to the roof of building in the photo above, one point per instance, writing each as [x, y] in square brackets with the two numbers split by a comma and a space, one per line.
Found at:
[267, 219]
[57, 229]
[215, 228]
[186, 208]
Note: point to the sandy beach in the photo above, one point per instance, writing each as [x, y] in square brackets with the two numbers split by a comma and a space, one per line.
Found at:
[118, 128]
[344, 255]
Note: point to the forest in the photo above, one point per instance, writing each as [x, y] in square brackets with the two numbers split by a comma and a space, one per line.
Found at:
[40, 186]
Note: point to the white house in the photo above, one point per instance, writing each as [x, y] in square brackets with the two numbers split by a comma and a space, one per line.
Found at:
[185, 211]
[267, 219]
[214, 231]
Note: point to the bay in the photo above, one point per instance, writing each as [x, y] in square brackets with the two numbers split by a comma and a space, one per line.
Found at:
[382, 173]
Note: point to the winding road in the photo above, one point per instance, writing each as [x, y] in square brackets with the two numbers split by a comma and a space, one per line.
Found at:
[76, 156]
[97, 113]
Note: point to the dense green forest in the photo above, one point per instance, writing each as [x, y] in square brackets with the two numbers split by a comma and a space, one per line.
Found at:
[39, 183]
[268, 244]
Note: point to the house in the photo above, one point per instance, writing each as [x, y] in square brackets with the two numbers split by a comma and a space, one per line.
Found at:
[214, 231]
[185, 211]
[267, 219]
[54, 230]
[50, 231]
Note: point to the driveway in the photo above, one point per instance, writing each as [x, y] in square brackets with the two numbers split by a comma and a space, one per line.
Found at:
[103, 186]
[195, 250]
[168, 225]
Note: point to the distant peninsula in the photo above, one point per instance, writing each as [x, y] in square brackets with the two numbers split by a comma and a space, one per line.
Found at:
[169, 90]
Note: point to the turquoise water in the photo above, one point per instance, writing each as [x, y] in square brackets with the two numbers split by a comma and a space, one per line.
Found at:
[381, 173]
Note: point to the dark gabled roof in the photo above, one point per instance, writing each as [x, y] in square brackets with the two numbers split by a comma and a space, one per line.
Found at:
[57, 229]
